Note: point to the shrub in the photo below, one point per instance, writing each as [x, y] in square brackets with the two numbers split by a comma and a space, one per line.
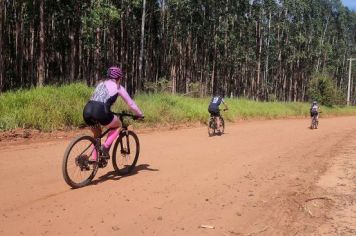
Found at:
[323, 90]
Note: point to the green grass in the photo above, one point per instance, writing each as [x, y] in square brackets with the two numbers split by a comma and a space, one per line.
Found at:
[51, 108]
[47, 108]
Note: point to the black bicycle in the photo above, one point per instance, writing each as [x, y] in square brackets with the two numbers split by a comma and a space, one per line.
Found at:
[315, 122]
[80, 165]
[213, 128]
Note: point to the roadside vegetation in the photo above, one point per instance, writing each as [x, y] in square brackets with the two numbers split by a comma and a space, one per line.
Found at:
[53, 108]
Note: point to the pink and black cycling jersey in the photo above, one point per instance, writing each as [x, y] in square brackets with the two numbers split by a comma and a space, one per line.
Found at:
[98, 109]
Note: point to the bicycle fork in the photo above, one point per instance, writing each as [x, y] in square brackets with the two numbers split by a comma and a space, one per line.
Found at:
[125, 151]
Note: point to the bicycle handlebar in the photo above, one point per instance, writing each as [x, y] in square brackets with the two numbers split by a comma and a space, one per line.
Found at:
[123, 114]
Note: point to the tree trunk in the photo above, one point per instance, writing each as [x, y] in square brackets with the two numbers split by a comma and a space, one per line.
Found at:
[72, 56]
[97, 56]
[267, 57]
[19, 52]
[322, 44]
[2, 67]
[259, 52]
[142, 48]
[122, 35]
[31, 70]
[214, 64]
[40, 69]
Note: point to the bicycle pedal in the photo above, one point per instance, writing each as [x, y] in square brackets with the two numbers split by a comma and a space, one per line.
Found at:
[103, 162]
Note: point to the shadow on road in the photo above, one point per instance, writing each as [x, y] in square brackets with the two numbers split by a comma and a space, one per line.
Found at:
[112, 175]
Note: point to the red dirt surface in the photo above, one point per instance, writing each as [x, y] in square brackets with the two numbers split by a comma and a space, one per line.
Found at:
[260, 178]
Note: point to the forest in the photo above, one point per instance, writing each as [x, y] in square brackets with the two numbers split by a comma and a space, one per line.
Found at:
[258, 49]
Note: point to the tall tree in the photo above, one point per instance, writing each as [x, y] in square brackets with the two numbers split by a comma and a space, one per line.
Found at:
[142, 45]
[260, 49]
[41, 62]
[2, 9]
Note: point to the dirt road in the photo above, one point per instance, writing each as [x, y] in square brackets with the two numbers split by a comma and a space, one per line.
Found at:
[260, 178]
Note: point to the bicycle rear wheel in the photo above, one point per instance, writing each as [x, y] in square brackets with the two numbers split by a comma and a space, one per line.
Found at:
[78, 168]
[314, 123]
[126, 152]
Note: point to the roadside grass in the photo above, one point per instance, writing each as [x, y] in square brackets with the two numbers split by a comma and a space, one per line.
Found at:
[54, 108]
[48, 108]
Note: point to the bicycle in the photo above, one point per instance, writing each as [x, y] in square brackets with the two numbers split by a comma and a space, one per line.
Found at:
[315, 121]
[126, 151]
[213, 128]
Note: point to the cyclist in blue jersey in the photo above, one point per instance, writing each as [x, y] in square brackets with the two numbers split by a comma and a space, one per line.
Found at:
[214, 109]
[314, 111]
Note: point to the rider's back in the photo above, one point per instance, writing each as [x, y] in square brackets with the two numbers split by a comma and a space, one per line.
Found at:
[215, 103]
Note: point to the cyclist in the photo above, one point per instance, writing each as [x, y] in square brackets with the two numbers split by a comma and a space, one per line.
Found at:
[214, 109]
[314, 111]
[97, 112]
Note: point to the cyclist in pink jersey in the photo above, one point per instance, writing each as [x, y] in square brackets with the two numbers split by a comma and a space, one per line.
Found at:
[97, 112]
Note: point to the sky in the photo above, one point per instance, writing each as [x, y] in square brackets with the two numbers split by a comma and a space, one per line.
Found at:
[351, 4]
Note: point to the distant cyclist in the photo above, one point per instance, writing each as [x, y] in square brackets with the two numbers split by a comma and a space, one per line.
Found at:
[314, 110]
[97, 112]
[214, 109]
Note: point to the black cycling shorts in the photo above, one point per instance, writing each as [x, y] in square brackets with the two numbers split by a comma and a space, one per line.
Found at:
[97, 112]
[214, 112]
[313, 113]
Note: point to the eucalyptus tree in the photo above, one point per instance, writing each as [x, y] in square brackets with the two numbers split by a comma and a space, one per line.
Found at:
[260, 49]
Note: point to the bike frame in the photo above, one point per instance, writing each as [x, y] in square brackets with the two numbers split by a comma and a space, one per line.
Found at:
[98, 142]
[123, 129]
[314, 121]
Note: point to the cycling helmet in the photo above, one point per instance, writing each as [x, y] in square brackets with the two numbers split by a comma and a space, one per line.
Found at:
[314, 103]
[114, 72]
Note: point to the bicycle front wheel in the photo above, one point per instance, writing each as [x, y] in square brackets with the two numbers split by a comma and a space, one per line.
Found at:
[211, 128]
[222, 125]
[126, 152]
[78, 167]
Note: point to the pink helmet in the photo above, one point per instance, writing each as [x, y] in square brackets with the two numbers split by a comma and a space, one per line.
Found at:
[114, 72]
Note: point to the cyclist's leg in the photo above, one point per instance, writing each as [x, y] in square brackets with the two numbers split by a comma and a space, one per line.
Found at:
[96, 130]
[115, 124]
[217, 120]
[93, 124]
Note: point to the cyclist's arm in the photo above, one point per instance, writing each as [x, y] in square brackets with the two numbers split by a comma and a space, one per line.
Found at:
[128, 100]
[225, 105]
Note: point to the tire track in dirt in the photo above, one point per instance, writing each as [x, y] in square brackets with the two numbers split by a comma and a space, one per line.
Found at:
[339, 184]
